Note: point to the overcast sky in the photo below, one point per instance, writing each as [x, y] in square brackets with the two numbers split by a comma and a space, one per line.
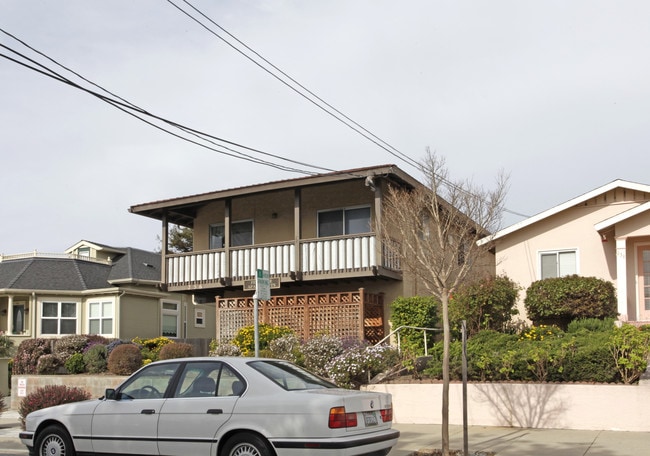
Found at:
[555, 93]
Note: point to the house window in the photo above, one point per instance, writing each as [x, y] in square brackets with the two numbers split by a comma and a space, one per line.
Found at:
[241, 233]
[170, 319]
[199, 318]
[58, 317]
[344, 221]
[83, 251]
[100, 318]
[558, 263]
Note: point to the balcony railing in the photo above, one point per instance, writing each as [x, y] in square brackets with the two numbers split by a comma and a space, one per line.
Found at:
[346, 254]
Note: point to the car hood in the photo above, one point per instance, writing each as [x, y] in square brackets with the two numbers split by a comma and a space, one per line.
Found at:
[79, 408]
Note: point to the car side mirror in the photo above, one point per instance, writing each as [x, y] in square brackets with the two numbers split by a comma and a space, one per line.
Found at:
[110, 394]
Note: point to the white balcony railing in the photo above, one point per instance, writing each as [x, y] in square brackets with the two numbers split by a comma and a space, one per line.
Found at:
[317, 256]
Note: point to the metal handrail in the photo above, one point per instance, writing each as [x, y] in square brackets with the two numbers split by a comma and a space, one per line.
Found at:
[399, 343]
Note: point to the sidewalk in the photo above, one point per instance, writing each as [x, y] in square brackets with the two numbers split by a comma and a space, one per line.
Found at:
[501, 440]
[517, 441]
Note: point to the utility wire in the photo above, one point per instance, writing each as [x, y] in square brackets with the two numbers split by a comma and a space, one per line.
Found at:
[124, 105]
[336, 114]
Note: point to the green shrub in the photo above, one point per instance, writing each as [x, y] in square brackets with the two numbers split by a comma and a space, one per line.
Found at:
[176, 350]
[95, 359]
[245, 337]
[419, 312]
[75, 364]
[563, 299]
[591, 325]
[319, 351]
[490, 355]
[7, 348]
[150, 348]
[49, 364]
[27, 355]
[434, 367]
[69, 345]
[48, 396]
[125, 359]
[589, 358]
[630, 348]
[489, 303]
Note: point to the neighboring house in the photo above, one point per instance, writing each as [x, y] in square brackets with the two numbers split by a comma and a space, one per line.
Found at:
[95, 289]
[315, 235]
[604, 233]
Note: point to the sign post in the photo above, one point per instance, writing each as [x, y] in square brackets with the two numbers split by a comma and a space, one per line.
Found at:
[263, 292]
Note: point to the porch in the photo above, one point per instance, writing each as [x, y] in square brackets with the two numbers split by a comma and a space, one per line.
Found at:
[356, 315]
[310, 259]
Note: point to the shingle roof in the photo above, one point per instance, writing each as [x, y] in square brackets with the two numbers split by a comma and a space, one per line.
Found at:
[75, 274]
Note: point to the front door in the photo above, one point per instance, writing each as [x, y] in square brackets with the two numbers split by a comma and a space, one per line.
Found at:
[643, 268]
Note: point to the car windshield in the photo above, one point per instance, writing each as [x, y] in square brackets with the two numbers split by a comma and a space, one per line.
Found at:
[289, 376]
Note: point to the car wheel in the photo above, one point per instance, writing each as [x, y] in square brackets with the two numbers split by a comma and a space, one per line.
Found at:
[54, 441]
[246, 444]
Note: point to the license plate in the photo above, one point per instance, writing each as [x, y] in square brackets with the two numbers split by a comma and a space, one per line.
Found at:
[370, 418]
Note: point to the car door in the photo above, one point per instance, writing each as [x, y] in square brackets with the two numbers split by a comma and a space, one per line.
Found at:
[203, 401]
[129, 424]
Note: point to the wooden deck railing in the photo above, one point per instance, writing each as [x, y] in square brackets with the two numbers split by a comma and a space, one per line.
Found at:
[317, 256]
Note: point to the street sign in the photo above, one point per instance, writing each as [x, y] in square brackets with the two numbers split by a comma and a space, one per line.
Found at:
[263, 285]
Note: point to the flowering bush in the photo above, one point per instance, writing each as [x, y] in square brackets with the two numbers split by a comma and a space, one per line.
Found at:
[226, 349]
[28, 353]
[286, 347]
[245, 338]
[48, 364]
[319, 351]
[357, 365]
[48, 396]
[150, 348]
[541, 332]
[69, 345]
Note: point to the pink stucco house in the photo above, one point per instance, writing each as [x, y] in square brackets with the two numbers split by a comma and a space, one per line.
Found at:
[604, 233]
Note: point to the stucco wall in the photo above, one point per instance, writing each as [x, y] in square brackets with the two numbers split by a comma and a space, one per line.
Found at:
[526, 405]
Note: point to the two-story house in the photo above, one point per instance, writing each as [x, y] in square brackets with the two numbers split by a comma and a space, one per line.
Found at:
[315, 236]
[93, 288]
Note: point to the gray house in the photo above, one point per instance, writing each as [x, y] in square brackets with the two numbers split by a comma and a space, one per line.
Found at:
[93, 288]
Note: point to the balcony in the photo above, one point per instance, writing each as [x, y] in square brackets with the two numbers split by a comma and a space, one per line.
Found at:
[310, 259]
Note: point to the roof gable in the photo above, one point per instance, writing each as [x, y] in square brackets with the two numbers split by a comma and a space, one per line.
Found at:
[619, 183]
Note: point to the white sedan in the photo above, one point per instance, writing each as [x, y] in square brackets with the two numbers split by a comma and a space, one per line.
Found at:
[218, 406]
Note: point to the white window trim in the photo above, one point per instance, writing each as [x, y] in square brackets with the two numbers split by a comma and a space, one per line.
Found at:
[176, 312]
[87, 316]
[556, 251]
[59, 300]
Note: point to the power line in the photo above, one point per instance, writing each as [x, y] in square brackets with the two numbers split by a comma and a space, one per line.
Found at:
[137, 112]
[312, 98]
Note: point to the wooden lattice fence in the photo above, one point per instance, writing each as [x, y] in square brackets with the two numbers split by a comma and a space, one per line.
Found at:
[354, 315]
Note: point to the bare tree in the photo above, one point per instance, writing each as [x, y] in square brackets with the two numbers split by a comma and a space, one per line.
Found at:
[434, 230]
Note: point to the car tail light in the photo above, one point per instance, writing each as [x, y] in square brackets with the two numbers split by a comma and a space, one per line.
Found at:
[339, 419]
[387, 415]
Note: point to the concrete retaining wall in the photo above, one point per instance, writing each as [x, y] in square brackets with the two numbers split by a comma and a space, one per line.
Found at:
[22, 385]
[526, 405]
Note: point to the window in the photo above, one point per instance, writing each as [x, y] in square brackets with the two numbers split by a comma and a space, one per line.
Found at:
[170, 319]
[100, 318]
[344, 221]
[558, 264]
[207, 379]
[83, 251]
[241, 233]
[149, 383]
[199, 318]
[58, 317]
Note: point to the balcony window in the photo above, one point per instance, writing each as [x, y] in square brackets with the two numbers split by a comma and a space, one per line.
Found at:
[340, 222]
[241, 233]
